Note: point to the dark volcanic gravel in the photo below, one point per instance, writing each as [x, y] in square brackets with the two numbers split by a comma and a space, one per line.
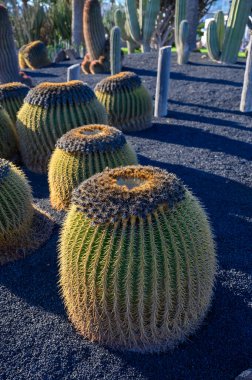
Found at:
[207, 142]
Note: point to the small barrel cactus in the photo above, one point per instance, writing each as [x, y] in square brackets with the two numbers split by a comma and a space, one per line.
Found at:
[81, 153]
[137, 259]
[9, 71]
[33, 55]
[22, 227]
[12, 97]
[127, 101]
[49, 111]
[8, 136]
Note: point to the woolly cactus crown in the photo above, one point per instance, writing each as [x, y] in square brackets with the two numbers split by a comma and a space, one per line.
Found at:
[125, 192]
[123, 81]
[91, 138]
[13, 90]
[52, 94]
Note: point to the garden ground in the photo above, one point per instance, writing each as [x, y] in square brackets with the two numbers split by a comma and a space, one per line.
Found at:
[206, 141]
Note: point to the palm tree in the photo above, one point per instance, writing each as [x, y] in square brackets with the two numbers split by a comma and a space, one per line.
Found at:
[77, 23]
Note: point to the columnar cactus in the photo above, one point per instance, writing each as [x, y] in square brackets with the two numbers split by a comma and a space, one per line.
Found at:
[141, 22]
[224, 45]
[22, 227]
[33, 55]
[181, 32]
[81, 153]
[8, 136]
[97, 57]
[49, 111]
[12, 97]
[128, 103]
[137, 260]
[115, 51]
[9, 71]
[121, 22]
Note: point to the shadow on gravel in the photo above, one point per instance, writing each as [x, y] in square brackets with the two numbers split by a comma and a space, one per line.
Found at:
[238, 65]
[141, 72]
[37, 74]
[195, 137]
[181, 76]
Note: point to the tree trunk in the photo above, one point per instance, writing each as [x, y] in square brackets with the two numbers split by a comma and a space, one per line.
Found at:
[193, 20]
[77, 24]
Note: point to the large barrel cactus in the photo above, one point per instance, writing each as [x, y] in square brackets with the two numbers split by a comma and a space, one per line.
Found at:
[81, 153]
[8, 136]
[49, 111]
[224, 44]
[137, 259]
[33, 55]
[9, 71]
[127, 101]
[12, 97]
[22, 227]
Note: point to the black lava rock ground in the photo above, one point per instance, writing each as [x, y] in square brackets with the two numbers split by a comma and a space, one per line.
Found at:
[206, 141]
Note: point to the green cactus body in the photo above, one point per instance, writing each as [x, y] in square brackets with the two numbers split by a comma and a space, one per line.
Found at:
[141, 22]
[121, 22]
[49, 111]
[8, 136]
[181, 32]
[12, 97]
[23, 227]
[115, 51]
[128, 103]
[9, 71]
[33, 55]
[224, 45]
[136, 274]
[81, 153]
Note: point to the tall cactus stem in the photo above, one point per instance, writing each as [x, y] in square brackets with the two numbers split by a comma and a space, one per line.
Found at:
[246, 100]
[115, 50]
[212, 41]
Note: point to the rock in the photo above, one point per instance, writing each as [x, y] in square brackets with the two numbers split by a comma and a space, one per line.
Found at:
[246, 375]
[60, 56]
[71, 54]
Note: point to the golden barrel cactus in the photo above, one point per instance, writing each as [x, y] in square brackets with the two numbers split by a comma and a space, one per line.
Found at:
[23, 228]
[33, 55]
[49, 111]
[137, 259]
[81, 153]
[8, 136]
[12, 97]
[127, 101]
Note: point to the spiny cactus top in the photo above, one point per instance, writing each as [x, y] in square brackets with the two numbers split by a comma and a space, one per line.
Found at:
[33, 55]
[133, 191]
[137, 259]
[128, 103]
[8, 136]
[49, 111]
[12, 96]
[81, 153]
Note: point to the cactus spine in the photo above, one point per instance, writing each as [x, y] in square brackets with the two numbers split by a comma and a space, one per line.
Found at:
[127, 102]
[115, 51]
[22, 227]
[49, 111]
[224, 46]
[81, 153]
[141, 22]
[181, 32]
[8, 136]
[136, 274]
[12, 97]
[121, 22]
[9, 71]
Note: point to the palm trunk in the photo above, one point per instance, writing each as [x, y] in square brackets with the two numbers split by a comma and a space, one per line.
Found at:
[77, 23]
[193, 20]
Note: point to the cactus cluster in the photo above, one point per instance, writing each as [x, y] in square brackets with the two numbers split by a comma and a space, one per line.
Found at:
[12, 97]
[121, 22]
[9, 71]
[22, 227]
[81, 153]
[140, 21]
[33, 56]
[8, 137]
[224, 44]
[181, 32]
[127, 101]
[137, 259]
[49, 111]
